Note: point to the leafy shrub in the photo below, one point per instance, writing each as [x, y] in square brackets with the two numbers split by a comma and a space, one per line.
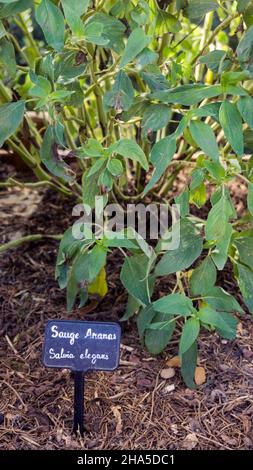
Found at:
[114, 98]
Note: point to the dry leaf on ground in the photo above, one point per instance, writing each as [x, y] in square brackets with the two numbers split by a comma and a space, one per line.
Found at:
[200, 375]
[190, 441]
[174, 362]
[117, 414]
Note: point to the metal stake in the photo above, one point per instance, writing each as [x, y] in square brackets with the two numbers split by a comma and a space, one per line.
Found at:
[79, 403]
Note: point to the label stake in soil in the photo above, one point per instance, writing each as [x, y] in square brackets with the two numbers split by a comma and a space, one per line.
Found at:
[81, 346]
[78, 403]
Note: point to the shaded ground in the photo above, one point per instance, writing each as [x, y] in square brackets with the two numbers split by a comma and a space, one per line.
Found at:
[130, 408]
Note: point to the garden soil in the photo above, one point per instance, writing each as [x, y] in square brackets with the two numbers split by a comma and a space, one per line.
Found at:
[133, 407]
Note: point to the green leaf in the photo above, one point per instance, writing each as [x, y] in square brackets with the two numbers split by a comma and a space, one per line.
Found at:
[51, 21]
[211, 110]
[198, 195]
[245, 47]
[2, 30]
[93, 32]
[11, 116]
[84, 295]
[220, 253]
[166, 23]
[219, 299]
[97, 166]
[90, 189]
[188, 365]
[242, 5]
[97, 261]
[133, 305]
[74, 94]
[60, 96]
[42, 87]
[203, 277]
[115, 167]
[67, 249]
[218, 218]
[189, 249]
[146, 57]
[7, 57]
[157, 340]
[216, 170]
[50, 157]
[244, 246]
[245, 282]
[194, 93]
[248, 140]
[129, 149]
[183, 201]
[92, 148]
[111, 30]
[140, 13]
[161, 155]
[216, 196]
[105, 180]
[155, 80]
[245, 107]
[205, 139]
[231, 123]
[187, 94]
[198, 8]
[189, 335]
[14, 7]
[221, 320]
[233, 78]
[65, 68]
[250, 198]
[72, 291]
[213, 59]
[174, 304]
[121, 95]
[88, 265]
[155, 117]
[144, 319]
[81, 268]
[118, 239]
[134, 277]
[135, 44]
[197, 178]
[73, 10]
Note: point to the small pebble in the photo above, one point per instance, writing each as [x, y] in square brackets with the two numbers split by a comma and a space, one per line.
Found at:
[167, 373]
[169, 388]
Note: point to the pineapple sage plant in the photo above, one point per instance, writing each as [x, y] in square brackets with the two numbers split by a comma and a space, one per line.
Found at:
[110, 100]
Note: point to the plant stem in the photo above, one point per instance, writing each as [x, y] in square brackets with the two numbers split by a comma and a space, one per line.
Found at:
[17, 47]
[27, 239]
[28, 34]
[206, 30]
[4, 93]
[98, 95]
[223, 25]
[125, 197]
[11, 182]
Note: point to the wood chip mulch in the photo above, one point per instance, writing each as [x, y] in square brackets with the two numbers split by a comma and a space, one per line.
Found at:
[131, 408]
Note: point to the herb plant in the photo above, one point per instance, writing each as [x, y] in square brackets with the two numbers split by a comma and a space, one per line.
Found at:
[113, 99]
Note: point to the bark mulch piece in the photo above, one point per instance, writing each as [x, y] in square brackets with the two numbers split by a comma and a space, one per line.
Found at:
[131, 408]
